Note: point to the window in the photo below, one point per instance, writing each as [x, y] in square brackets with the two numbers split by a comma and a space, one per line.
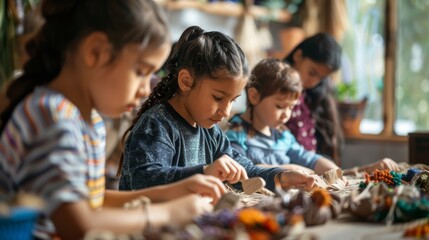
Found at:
[412, 71]
[386, 55]
[363, 58]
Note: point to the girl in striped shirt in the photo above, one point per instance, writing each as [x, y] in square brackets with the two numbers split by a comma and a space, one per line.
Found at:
[89, 57]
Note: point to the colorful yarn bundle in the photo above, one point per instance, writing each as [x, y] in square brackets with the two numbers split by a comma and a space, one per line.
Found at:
[273, 217]
[251, 222]
[317, 208]
[391, 178]
[407, 211]
[277, 217]
[410, 174]
[392, 196]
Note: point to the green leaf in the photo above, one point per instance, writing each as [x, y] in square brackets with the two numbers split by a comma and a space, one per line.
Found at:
[346, 91]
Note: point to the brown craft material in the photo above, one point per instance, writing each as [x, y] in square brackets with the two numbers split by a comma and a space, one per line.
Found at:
[332, 175]
[316, 215]
[252, 185]
[228, 201]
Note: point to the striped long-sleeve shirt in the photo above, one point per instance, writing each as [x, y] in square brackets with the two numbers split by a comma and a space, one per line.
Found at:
[48, 150]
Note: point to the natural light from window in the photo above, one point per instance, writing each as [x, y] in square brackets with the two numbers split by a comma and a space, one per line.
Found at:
[412, 72]
[363, 58]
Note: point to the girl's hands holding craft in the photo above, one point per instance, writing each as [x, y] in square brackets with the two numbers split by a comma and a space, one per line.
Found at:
[226, 169]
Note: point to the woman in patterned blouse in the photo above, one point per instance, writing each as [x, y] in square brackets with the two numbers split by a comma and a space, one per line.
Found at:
[314, 121]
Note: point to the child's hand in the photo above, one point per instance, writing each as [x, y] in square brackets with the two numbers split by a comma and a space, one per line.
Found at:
[295, 179]
[296, 167]
[385, 163]
[182, 210]
[207, 186]
[226, 169]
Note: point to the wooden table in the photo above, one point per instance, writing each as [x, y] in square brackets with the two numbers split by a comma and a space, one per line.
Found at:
[346, 227]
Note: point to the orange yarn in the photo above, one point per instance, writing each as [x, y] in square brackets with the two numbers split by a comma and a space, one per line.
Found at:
[419, 231]
[380, 176]
[252, 217]
[321, 197]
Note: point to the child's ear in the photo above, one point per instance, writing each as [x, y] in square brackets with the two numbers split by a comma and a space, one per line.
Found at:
[297, 55]
[253, 96]
[96, 49]
[185, 80]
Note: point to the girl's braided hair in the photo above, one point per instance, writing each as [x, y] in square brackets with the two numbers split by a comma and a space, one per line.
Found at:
[202, 53]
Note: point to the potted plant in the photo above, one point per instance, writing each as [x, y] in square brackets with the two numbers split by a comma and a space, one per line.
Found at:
[350, 107]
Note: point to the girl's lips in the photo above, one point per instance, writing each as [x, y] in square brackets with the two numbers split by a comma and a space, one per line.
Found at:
[131, 107]
[216, 121]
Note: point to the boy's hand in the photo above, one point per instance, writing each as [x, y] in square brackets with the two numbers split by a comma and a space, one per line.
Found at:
[295, 179]
[226, 169]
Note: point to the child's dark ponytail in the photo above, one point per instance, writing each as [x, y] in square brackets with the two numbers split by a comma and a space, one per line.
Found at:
[202, 53]
[166, 88]
[168, 85]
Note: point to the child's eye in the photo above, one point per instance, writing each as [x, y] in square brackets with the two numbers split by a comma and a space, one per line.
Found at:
[235, 99]
[217, 99]
[141, 72]
[312, 74]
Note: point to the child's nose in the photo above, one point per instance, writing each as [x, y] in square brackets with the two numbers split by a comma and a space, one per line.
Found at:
[144, 89]
[225, 110]
[285, 114]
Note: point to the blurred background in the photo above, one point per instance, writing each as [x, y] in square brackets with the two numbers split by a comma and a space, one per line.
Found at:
[385, 51]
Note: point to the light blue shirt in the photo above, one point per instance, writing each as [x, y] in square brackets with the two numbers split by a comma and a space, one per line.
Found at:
[278, 149]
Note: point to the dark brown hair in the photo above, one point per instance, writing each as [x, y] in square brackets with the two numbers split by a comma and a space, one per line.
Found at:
[68, 22]
[271, 76]
[322, 48]
[204, 54]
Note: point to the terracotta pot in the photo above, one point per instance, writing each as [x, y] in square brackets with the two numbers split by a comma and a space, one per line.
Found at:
[351, 114]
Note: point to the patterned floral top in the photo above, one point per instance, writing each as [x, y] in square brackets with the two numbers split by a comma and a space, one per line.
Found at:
[302, 125]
